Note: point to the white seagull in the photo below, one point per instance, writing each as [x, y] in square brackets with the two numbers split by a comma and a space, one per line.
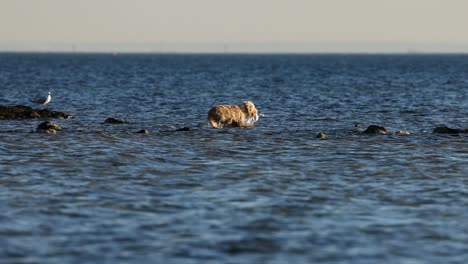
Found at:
[43, 100]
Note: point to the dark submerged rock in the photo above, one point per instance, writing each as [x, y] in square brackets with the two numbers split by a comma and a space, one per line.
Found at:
[373, 129]
[112, 120]
[184, 129]
[448, 130]
[143, 131]
[26, 112]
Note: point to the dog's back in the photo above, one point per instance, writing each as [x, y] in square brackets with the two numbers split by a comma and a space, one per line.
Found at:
[226, 115]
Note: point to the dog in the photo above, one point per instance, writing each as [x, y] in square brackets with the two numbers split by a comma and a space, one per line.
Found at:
[242, 115]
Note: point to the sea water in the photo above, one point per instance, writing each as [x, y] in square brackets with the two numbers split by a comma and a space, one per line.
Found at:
[101, 193]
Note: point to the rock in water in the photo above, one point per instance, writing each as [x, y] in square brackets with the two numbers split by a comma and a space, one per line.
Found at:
[321, 135]
[47, 131]
[448, 130]
[184, 129]
[112, 120]
[26, 112]
[143, 131]
[402, 133]
[48, 127]
[373, 129]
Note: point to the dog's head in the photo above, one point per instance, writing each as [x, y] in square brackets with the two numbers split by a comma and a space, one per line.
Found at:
[251, 111]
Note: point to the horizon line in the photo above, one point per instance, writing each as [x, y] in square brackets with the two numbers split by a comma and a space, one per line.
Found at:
[130, 52]
[238, 47]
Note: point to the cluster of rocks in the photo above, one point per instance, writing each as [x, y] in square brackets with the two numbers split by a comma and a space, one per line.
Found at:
[50, 127]
[380, 130]
[373, 129]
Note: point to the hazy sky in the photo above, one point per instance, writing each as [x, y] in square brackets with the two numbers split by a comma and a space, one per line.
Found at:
[235, 25]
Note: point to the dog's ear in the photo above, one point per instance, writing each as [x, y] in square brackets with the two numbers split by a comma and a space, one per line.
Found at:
[251, 110]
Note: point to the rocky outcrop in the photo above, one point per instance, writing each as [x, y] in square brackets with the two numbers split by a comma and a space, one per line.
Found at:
[26, 112]
[48, 127]
[373, 129]
[448, 130]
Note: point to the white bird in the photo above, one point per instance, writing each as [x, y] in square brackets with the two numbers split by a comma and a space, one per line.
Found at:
[43, 100]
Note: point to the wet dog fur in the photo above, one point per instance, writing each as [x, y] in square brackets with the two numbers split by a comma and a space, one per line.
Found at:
[242, 115]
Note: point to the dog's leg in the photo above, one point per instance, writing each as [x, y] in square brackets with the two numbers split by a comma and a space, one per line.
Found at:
[213, 123]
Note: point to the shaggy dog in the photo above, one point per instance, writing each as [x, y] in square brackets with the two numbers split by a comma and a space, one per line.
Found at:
[242, 115]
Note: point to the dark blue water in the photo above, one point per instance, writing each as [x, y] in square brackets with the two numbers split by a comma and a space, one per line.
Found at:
[100, 193]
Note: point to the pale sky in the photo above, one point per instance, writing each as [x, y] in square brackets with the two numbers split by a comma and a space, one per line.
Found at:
[234, 25]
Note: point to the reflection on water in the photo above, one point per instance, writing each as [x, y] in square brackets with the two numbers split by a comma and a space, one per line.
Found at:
[275, 193]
